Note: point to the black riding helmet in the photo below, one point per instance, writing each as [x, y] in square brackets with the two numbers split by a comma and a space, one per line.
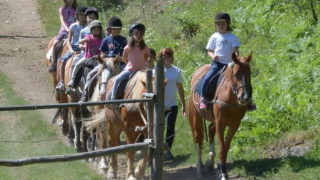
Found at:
[92, 10]
[114, 22]
[80, 10]
[137, 26]
[222, 16]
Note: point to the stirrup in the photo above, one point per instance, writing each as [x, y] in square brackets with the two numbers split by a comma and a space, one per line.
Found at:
[60, 87]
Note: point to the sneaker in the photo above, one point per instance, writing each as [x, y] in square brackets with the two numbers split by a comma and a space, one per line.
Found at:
[60, 87]
[52, 67]
[168, 156]
[71, 83]
[202, 104]
[251, 106]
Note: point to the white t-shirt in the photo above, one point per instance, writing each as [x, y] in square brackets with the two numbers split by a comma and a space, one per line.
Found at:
[223, 45]
[174, 76]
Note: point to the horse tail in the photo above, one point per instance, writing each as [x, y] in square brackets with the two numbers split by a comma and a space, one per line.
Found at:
[95, 121]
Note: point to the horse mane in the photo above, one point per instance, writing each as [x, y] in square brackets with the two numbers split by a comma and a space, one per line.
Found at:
[137, 87]
[109, 63]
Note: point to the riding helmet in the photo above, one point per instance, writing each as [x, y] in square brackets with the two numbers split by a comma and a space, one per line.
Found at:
[92, 10]
[81, 10]
[222, 16]
[137, 26]
[95, 23]
[114, 22]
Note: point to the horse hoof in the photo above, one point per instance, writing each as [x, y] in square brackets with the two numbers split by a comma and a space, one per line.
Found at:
[70, 142]
[111, 176]
[222, 176]
[132, 178]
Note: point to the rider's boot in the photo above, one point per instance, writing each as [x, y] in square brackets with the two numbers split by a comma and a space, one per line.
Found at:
[53, 65]
[60, 86]
[84, 97]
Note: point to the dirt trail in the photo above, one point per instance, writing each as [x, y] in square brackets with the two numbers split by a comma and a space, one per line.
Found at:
[23, 44]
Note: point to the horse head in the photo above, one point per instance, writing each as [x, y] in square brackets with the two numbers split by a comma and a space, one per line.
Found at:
[239, 74]
[109, 67]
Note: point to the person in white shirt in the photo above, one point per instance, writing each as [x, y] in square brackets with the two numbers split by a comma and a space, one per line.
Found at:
[173, 85]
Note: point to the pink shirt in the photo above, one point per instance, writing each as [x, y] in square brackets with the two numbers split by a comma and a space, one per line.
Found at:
[136, 59]
[93, 46]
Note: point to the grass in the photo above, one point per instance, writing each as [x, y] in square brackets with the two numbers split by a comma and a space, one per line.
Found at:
[26, 134]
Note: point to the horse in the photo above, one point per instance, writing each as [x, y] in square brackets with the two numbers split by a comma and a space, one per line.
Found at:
[127, 117]
[61, 114]
[227, 109]
[77, 114]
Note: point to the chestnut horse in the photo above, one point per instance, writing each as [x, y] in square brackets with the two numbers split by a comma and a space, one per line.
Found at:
[62, 113]
[227, 109]
[125, 118]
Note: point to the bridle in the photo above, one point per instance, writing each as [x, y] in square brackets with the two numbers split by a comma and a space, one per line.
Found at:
[235, 90]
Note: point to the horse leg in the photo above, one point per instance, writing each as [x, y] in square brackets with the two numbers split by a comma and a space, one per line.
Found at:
[195, 121]
[65, 124]
[220, 128]
[141, 168]
[102, 166]
[114, 140]
[212, 154]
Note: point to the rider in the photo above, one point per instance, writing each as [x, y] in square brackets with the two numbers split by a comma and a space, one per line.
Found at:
[66, 13]
[93, 42]
[111, 46]
[73, 43]
[135, 55]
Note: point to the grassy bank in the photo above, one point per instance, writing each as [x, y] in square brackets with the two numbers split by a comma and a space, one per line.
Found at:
[27, 134]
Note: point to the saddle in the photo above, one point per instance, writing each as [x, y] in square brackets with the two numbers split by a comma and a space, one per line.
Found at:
[121, 87]
[212, 86]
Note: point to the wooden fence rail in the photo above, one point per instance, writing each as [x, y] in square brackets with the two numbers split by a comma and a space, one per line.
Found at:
[78, 156]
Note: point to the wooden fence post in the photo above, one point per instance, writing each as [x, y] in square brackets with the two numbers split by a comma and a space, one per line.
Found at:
[157, 158]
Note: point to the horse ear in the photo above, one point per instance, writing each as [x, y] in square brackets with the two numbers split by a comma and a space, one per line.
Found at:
[100, 59]
[249, 56]
[116, 59]
[234, 57]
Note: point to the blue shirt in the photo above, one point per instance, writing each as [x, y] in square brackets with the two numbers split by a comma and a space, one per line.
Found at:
[113, 45]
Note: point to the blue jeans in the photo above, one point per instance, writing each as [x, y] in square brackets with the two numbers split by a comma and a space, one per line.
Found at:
[123, 75]
[68, 54]
[171, 117]
[214, 69]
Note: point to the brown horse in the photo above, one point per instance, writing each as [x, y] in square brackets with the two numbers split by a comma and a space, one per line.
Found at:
[226, 110]
[125, 118]
[62, 113]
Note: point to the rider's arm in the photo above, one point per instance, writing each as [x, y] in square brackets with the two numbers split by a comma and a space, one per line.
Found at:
[62, 21]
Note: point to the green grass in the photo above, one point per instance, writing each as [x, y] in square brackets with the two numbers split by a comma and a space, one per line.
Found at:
[26, 134]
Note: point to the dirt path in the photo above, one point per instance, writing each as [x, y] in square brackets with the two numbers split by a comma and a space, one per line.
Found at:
[23, 44]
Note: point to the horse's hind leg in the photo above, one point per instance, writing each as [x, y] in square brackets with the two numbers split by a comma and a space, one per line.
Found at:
[212, 154]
